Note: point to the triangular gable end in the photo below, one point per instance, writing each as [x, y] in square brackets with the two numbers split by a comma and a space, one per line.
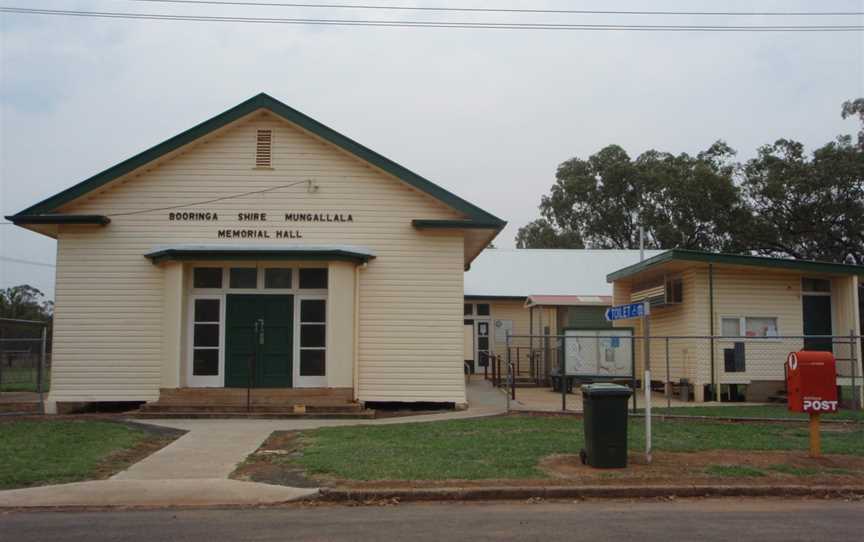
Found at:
[476, 217]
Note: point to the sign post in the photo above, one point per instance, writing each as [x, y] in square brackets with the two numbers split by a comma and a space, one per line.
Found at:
[626, 312]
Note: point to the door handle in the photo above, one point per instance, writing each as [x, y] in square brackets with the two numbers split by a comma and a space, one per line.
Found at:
[260, 327]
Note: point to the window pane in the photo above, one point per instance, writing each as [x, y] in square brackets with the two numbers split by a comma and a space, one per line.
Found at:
[815, 285]
[207, 277]
[483, 309]
[730, 327]
[276, 277]
[761, 327]
[312, 363]
[312, 336]
[206, 335]
[205, 362]
[313, 310]
[483, 343]
[468, 309]
[206, 310]
[243, 277]
[313, 278]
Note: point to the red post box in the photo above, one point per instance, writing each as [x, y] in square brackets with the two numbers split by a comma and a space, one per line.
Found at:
[811, 381]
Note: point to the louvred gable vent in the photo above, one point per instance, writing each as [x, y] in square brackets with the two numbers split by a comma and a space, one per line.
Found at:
[263, 148]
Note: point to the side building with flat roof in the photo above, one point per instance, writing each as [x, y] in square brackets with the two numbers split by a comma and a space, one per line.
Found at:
[733, 319]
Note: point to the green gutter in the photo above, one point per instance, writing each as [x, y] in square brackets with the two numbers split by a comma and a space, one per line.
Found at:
[424, 224]
[171, 254]
[99, 220]
[735, 259]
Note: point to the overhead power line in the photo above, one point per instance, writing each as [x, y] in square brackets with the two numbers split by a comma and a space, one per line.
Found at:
[308, 182]
[26, 262]
[503, 10]
[434, 24]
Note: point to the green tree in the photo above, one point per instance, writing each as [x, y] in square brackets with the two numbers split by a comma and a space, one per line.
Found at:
[541, 234]
[807, 207]
[25, 303]
[850, 109]
[680, 200]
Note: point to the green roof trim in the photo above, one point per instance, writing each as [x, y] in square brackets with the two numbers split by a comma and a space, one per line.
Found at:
[735, 259]
[56, 218]
[494, 297]
[426, 224]
[217, 253]
[264, 101]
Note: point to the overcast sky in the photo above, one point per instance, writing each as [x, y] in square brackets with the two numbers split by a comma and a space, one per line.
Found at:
[487, 114]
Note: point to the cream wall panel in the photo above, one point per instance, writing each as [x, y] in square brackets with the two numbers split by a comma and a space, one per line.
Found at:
[109, 330]
[516, 311]
[759, 292]
[340, 328]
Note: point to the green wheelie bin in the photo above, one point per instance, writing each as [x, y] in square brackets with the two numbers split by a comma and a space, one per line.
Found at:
[605, 419]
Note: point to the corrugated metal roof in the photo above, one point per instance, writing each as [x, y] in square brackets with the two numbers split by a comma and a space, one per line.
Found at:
[501, 272]
[568, 300]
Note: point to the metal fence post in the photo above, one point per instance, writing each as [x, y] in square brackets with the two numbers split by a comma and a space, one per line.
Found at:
[512, 380]
[856, 396]
[562, 373]
[668, 378]
[40, 370]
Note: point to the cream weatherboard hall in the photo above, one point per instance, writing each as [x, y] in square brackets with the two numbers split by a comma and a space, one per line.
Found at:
[259, 250]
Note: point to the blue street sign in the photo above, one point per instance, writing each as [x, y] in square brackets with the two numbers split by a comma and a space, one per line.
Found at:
[625, 312]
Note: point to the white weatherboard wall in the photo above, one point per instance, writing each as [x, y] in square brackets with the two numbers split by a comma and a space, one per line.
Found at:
[109, 325]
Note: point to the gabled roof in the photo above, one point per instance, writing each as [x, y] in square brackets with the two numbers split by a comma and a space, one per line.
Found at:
[735, 259]
[520, 273]
[264, 101]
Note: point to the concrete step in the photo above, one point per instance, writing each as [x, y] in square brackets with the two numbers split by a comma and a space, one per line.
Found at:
[285, 414]
[162, 407]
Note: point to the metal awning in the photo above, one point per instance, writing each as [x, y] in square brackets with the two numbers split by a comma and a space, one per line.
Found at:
[260, 252]
[568, 300]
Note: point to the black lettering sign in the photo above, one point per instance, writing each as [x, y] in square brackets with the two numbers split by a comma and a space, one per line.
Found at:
[318, 217]
[193, 216]
[252, 217]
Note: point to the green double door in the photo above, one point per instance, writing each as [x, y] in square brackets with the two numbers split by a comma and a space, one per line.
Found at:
[259, 341]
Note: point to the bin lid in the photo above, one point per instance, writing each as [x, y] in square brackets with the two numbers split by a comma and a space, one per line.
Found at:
[606, 390]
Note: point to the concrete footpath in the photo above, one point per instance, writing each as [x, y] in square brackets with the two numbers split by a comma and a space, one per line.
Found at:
[194, 469]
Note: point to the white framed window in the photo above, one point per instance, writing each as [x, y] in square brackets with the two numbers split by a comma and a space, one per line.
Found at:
[206, 337]
[730, 327]
[749, 326]
[477, 309]
[311, 340]
[813, 286]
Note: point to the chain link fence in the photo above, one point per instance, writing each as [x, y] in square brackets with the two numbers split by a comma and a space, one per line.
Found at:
[25, 357]
[683, 368]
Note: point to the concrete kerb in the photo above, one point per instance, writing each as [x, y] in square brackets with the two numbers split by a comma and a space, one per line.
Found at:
[337, 495]
[375, 497]
[579, 415]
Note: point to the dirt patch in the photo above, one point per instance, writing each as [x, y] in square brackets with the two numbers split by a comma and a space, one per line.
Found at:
[748, 467]
[272, 463]
[156, 439]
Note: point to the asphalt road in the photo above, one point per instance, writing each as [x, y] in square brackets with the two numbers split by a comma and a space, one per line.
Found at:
[702, 520]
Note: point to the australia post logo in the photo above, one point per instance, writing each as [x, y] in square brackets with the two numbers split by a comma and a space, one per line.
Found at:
[814, 404]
